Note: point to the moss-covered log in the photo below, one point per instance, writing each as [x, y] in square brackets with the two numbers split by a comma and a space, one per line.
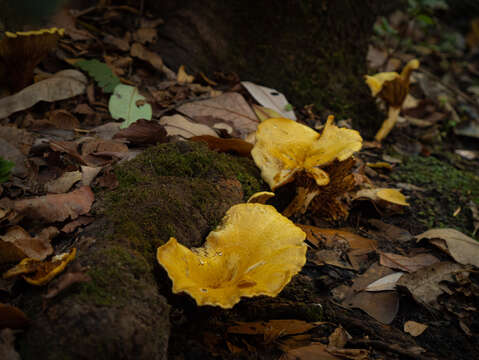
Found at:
[179, 190]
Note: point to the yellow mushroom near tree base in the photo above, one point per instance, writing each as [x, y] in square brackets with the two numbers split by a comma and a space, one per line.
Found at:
[255, 251]
[393, 89]
[286, 150]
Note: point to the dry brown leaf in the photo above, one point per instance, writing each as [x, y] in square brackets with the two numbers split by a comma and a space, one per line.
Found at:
[180, 126]
[231, 107]
[414, 328]
[63, 85]
[328, 237]
[69, 147]
[405, 263]
[12, 317]
[230, 146]
[65, 281]
[89, 174]
[106, 131]
[52, 208]
[315, 351]
[392, 232]
[17, 244]
[382, 306]
[352, 354]
[462, 248]
[272, 329]
[145, 35]
[424, 284]
[19, 138]
[139, 51]
[119, 43]
[80, 221]
[11, 153]
[143, 132]
[385, 283]
[339, 338]
[63, 183]
[63, 119]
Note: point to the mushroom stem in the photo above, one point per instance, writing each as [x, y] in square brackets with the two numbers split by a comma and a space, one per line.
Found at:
[388, 124]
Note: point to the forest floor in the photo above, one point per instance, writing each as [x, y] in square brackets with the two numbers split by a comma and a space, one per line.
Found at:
[425, 254]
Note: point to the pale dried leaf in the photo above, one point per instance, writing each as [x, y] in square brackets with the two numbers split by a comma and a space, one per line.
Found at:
[270, 98]
[88, 174]
[7, 345]
[405, 263]
[387, 282]
[232, 108]
[17, 244]
[462, 248]
[63, 85]
[63, 183]
[424, 284]
[414, 328]
[180, 126]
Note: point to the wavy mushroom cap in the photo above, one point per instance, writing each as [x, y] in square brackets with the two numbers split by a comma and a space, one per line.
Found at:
[392, 195]
[255, 251]
[284, 147]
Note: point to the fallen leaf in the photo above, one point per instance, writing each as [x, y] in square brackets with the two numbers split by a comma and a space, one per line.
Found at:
[231, 107]
[230, 146]
[376, 57]
[385, 283]
[382, 306]
[462, 248]
[52, 208]
[392, 232]
[145, 35]
[119, 43]
[63, 183]
[414, 328]
[106, 131]
[17, 244]
[63, 119]
[65, 281]
[128, 104]
[139, 51]
[180, 126]
[7, 345]
[8, 152]
[315, 351]
[80, 221]
[328, 237]
[264, 113]
[63, 85]
[424, 283]
[143, 132]
[339, 338]
[182, 77]
[271, 99]
[89, 174]
[12, 317]
[100, 72]
[19, 138]
[405, 263]
[271, 329]
[352, 354]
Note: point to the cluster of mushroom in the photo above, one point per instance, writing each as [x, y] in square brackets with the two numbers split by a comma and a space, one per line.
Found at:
[256, 250]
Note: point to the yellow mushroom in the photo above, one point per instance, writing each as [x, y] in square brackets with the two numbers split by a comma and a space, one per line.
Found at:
[392, 196]
[260, 197]
[41, 271]
[286, 150]
[393, 89]
[255, 251]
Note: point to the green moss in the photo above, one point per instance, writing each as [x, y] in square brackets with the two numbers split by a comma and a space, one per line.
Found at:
[447, 189]
[192, 160]
[114, 265]
[171, 187]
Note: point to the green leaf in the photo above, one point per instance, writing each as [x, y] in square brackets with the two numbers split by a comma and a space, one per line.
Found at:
[126, 103]
[425, 20]
[101, 73]
[5, 168]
